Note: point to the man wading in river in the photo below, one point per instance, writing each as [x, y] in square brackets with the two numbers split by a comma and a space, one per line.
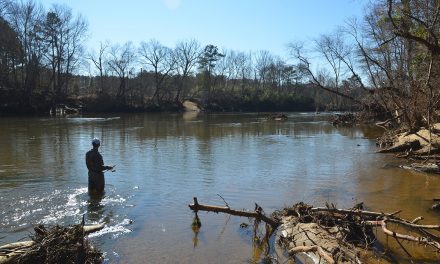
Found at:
[96, 167]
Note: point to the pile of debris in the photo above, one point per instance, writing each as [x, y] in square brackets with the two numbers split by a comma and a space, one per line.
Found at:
[346, 119]
[332, 235]
[54, 245]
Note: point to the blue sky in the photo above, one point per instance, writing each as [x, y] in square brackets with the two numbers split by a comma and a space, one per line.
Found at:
[243, 25]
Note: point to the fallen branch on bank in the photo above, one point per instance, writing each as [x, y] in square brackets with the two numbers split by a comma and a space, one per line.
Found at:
[333, 234]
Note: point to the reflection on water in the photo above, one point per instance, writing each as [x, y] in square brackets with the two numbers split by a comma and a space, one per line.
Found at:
[95, 207]
[166, 159]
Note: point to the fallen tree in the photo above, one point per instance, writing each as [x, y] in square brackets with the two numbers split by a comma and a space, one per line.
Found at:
[335, 235]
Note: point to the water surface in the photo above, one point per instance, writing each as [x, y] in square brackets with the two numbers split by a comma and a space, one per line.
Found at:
[164, 160]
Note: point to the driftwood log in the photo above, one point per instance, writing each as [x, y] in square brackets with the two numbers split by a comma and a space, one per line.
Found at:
[225, 209]
[335, 235]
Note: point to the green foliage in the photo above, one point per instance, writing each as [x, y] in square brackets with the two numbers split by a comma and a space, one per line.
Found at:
[419, 31]
[209, 57]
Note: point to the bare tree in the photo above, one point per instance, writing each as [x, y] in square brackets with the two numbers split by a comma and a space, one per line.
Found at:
[10, 54]
[26, 18]
[398, 50]
[64, 35]
[75, 37]
[304, 66]
[225, 72]
[121, 61]
[99, 61]
[4, 6]
[186, 55]
[262, 65]
[416, 25]
[333, 50]
[160, 60]
[242, 63]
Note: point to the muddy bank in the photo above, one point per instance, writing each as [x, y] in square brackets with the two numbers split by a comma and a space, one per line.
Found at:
[421, 149]
[422, 142]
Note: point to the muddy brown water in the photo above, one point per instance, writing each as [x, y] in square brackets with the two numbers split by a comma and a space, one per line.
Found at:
[164, 160]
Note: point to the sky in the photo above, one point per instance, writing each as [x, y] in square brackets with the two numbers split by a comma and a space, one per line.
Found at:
[241, 25]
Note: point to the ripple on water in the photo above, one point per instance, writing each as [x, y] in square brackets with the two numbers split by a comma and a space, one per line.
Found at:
[116, 230]
[64, 207]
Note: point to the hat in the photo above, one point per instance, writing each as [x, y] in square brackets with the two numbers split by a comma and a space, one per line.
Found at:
[96, 141]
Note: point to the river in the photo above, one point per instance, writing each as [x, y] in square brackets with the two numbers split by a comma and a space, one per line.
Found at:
[164, 160]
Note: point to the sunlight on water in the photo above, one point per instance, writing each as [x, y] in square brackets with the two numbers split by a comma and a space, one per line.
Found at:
[116, 230]
[63, 207]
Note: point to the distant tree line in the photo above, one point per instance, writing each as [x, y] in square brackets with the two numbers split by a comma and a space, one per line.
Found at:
[43, 62]
[387, 63]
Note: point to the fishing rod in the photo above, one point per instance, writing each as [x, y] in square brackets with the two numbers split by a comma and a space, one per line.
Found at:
[111, 170]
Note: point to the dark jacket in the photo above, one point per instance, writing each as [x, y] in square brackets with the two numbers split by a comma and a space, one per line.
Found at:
[94, 161]
[95, 164]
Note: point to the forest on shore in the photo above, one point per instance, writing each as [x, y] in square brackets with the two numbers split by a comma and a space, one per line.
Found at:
[386, 64]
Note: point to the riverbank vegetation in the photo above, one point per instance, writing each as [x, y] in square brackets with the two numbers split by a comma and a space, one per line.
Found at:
[385, 64]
